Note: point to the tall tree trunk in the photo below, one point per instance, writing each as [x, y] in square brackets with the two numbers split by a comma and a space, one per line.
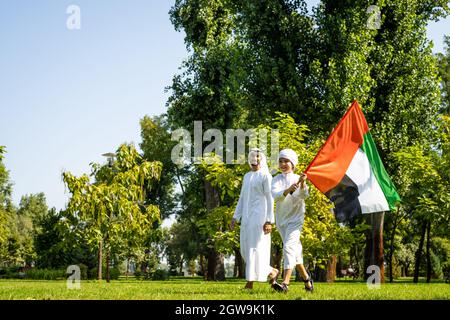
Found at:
[202, 267]
[391, 250]
[216, 266]
[419, 253]
[179, 181]
[374, 253]
[100, 258]
[428, 252]
[239, 264]
[216, 261]
[181, 267]
[331, 269]
[128, 268]
[339, 267]
[108, 258]
[356, 264]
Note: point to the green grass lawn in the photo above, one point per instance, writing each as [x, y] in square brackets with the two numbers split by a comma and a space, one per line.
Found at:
[196, 289]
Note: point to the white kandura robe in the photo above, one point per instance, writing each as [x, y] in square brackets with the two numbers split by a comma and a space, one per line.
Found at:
[254, 208]
[290, 215]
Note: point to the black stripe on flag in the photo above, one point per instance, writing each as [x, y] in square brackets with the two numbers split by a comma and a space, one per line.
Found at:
[345, 199]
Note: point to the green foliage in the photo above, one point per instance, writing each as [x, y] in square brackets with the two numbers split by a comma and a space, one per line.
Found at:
[424, 186]
[250, 60]
[59, 244]
[5, 184]
[215, 227]
[33, 274]
[33, 207]
[405, 254]
[92, 273]
[160, 274]
[115, 206]
[441, 256]
[112, 209]
[424, 190]
[46, 274]
[183, 244]
[157, 146]
[6, 208]
[444, 73]
[21, 227]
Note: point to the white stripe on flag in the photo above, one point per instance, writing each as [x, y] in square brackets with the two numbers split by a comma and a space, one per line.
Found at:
[371, 197]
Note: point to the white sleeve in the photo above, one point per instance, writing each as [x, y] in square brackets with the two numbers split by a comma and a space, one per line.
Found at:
[277, 190]
[269, 200]
[239, 207]
[301, 193]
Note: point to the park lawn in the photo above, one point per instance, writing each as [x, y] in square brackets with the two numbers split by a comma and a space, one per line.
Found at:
[196, 289]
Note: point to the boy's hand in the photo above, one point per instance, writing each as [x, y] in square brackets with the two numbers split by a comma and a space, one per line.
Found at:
[267, 228]
[302, 180]
[291, 189]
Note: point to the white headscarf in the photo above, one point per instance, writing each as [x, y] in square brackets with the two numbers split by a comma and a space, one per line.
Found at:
[290, 155]
[253, 159]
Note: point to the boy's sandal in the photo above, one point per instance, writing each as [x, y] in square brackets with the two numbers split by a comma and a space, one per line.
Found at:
[309, 289]
[280, 287]
[273, 279]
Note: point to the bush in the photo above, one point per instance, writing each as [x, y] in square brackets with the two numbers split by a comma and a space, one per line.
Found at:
[436, 266]
[160, 274]
[34, 274]
[92, 274]
[10, 272]
[114, 273]
[441, 248]
[138, 274]
[46, 274]
[83, 271]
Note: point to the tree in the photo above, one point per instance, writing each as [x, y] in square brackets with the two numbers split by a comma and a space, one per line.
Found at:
[405, 256]
[206, 89]
[424, 172]
[113, 207]
[20, 229]
[157, 146]
[391, 70]
[32, 209]
[182, 246]
[58, 244]
[277, 57]
[6, 207]
[444, 73]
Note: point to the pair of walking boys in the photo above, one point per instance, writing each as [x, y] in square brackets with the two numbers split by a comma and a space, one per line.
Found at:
[256, 215]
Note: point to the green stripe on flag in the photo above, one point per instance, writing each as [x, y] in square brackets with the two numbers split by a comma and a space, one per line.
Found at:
[388, 188]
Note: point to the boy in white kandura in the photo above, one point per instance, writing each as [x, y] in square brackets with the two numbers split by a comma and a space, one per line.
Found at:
[255, 211]
[289, 191]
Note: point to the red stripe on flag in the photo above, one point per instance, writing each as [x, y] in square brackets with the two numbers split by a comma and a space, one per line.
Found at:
[331, 162]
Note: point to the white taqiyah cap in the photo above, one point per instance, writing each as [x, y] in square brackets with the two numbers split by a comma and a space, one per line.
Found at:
[290, 155]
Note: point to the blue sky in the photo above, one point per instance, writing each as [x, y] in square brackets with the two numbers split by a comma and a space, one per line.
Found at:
[68, 96]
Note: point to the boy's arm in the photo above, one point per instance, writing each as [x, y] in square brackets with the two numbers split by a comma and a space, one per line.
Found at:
[239, 207]
[269, 200]
[301, 193]
[277, 190]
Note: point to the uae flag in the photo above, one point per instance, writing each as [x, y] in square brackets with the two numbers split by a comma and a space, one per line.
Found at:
[349, 171]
